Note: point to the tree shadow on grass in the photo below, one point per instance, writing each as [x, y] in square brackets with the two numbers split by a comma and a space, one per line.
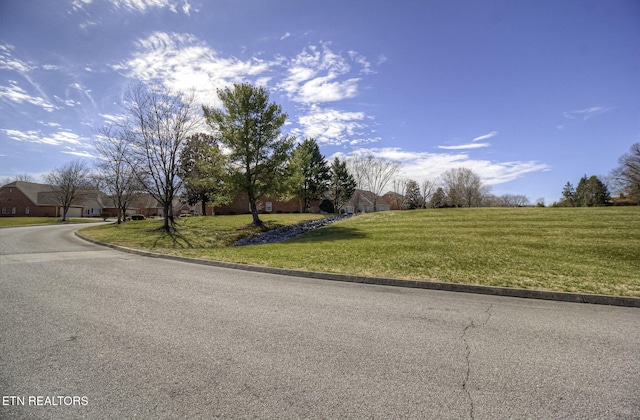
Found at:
[177, 239]
[330, 233]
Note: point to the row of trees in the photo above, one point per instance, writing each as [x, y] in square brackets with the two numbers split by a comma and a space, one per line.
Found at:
[594, 191]
[591, 191]
[159, 147]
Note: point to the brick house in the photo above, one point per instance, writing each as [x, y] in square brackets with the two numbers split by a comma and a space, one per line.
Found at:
[20, 198]
[240, 205]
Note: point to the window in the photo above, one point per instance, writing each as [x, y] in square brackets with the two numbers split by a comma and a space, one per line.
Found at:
[268, 206]
[13, 210]
[4, 210]
[26, 210]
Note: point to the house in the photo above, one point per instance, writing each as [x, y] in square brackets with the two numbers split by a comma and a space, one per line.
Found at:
[20, 198]
[363, 202]
[240, 205]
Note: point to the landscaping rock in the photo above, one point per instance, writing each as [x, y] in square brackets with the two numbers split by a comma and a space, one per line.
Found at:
[286, 232]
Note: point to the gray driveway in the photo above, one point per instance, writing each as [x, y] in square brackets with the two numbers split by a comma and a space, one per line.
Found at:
[132, 336]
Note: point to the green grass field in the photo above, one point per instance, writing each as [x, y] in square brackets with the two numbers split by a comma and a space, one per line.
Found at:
[29, 221]
[587, 250]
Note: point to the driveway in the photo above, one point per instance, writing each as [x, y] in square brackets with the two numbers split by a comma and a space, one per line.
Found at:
[90, 332]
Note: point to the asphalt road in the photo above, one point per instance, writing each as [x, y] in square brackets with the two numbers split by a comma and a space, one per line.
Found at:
[137, 337]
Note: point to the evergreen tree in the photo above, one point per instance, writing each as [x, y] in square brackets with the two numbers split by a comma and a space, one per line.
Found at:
[439, 199]
[310, 173]
[412, 197]
[249, 127]
[568, 194]
[591, 192]
[204, 171]
[342, 184]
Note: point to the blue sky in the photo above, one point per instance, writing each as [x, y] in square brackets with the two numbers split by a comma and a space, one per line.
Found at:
[528, 94]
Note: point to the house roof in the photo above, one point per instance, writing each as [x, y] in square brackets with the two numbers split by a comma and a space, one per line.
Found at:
[44, 195]
[32, 190]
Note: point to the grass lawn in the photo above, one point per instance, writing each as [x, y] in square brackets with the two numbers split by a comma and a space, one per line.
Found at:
[587, 250]
[29, 221]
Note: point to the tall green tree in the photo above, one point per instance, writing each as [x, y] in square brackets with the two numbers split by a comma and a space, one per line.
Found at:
[342, 184]
[568, 195]
[591, 192]
[203, 169]
[438, 199]
[412, 196]
[249, 126]
[310, 173]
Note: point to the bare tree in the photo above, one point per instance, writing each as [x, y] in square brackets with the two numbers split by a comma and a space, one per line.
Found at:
[374, 174]
[399, 188]
[68, 183]
[628, 173]
[157, 126]
[514, 200]
[464, 187]
[428, 188]
[116, 176]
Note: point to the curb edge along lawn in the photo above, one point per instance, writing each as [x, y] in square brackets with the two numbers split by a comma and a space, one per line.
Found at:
[382, 281]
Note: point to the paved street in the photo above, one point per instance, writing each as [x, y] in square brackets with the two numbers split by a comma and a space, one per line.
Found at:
[134, 336]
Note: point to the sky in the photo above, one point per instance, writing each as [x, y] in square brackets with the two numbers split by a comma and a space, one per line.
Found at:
[527, 94]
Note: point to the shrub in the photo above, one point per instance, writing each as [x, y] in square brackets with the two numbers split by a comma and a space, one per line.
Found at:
[105, 215]
[327, 206]
[137, 217]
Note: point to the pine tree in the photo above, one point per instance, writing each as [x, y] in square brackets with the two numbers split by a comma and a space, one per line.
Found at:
[310, 173]
[342, 185]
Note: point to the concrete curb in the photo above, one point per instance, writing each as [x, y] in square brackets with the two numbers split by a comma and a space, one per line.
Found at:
[382, 281]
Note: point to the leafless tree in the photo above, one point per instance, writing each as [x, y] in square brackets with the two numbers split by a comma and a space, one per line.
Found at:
[628, 173]
[399, 189]
[69, 182]
[463, 187]
[116, 176]
[157, 125]
[514, 200]
[373, 174]
[428, 187]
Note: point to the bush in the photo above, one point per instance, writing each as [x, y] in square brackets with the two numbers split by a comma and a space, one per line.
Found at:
[327, 206]
[105, 215]
[137, 217]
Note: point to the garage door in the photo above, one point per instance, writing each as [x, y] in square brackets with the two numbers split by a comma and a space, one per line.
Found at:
[74, 212]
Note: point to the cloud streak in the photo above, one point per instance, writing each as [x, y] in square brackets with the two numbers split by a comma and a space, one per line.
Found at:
[424, 165]
[587, 113]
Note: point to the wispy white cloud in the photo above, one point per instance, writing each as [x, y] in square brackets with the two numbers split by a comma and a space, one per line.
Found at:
[9, 62]
[332, 126]
[587, 113]
[15, 94]
[139, 6]
[285, 36]
[465, 146]
[183, 62]
[55, 139]
[318, 75]
[486, 136]
[424, 165]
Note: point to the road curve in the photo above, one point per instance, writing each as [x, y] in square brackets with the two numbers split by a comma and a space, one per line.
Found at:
[131, 336]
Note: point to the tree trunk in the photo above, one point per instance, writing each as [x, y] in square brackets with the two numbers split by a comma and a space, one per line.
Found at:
[166, 226]
[254, 212]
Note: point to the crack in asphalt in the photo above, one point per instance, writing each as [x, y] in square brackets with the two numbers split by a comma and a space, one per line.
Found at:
[465, 381]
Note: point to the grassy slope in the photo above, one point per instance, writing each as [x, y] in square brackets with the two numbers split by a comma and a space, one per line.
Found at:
[591, 250]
